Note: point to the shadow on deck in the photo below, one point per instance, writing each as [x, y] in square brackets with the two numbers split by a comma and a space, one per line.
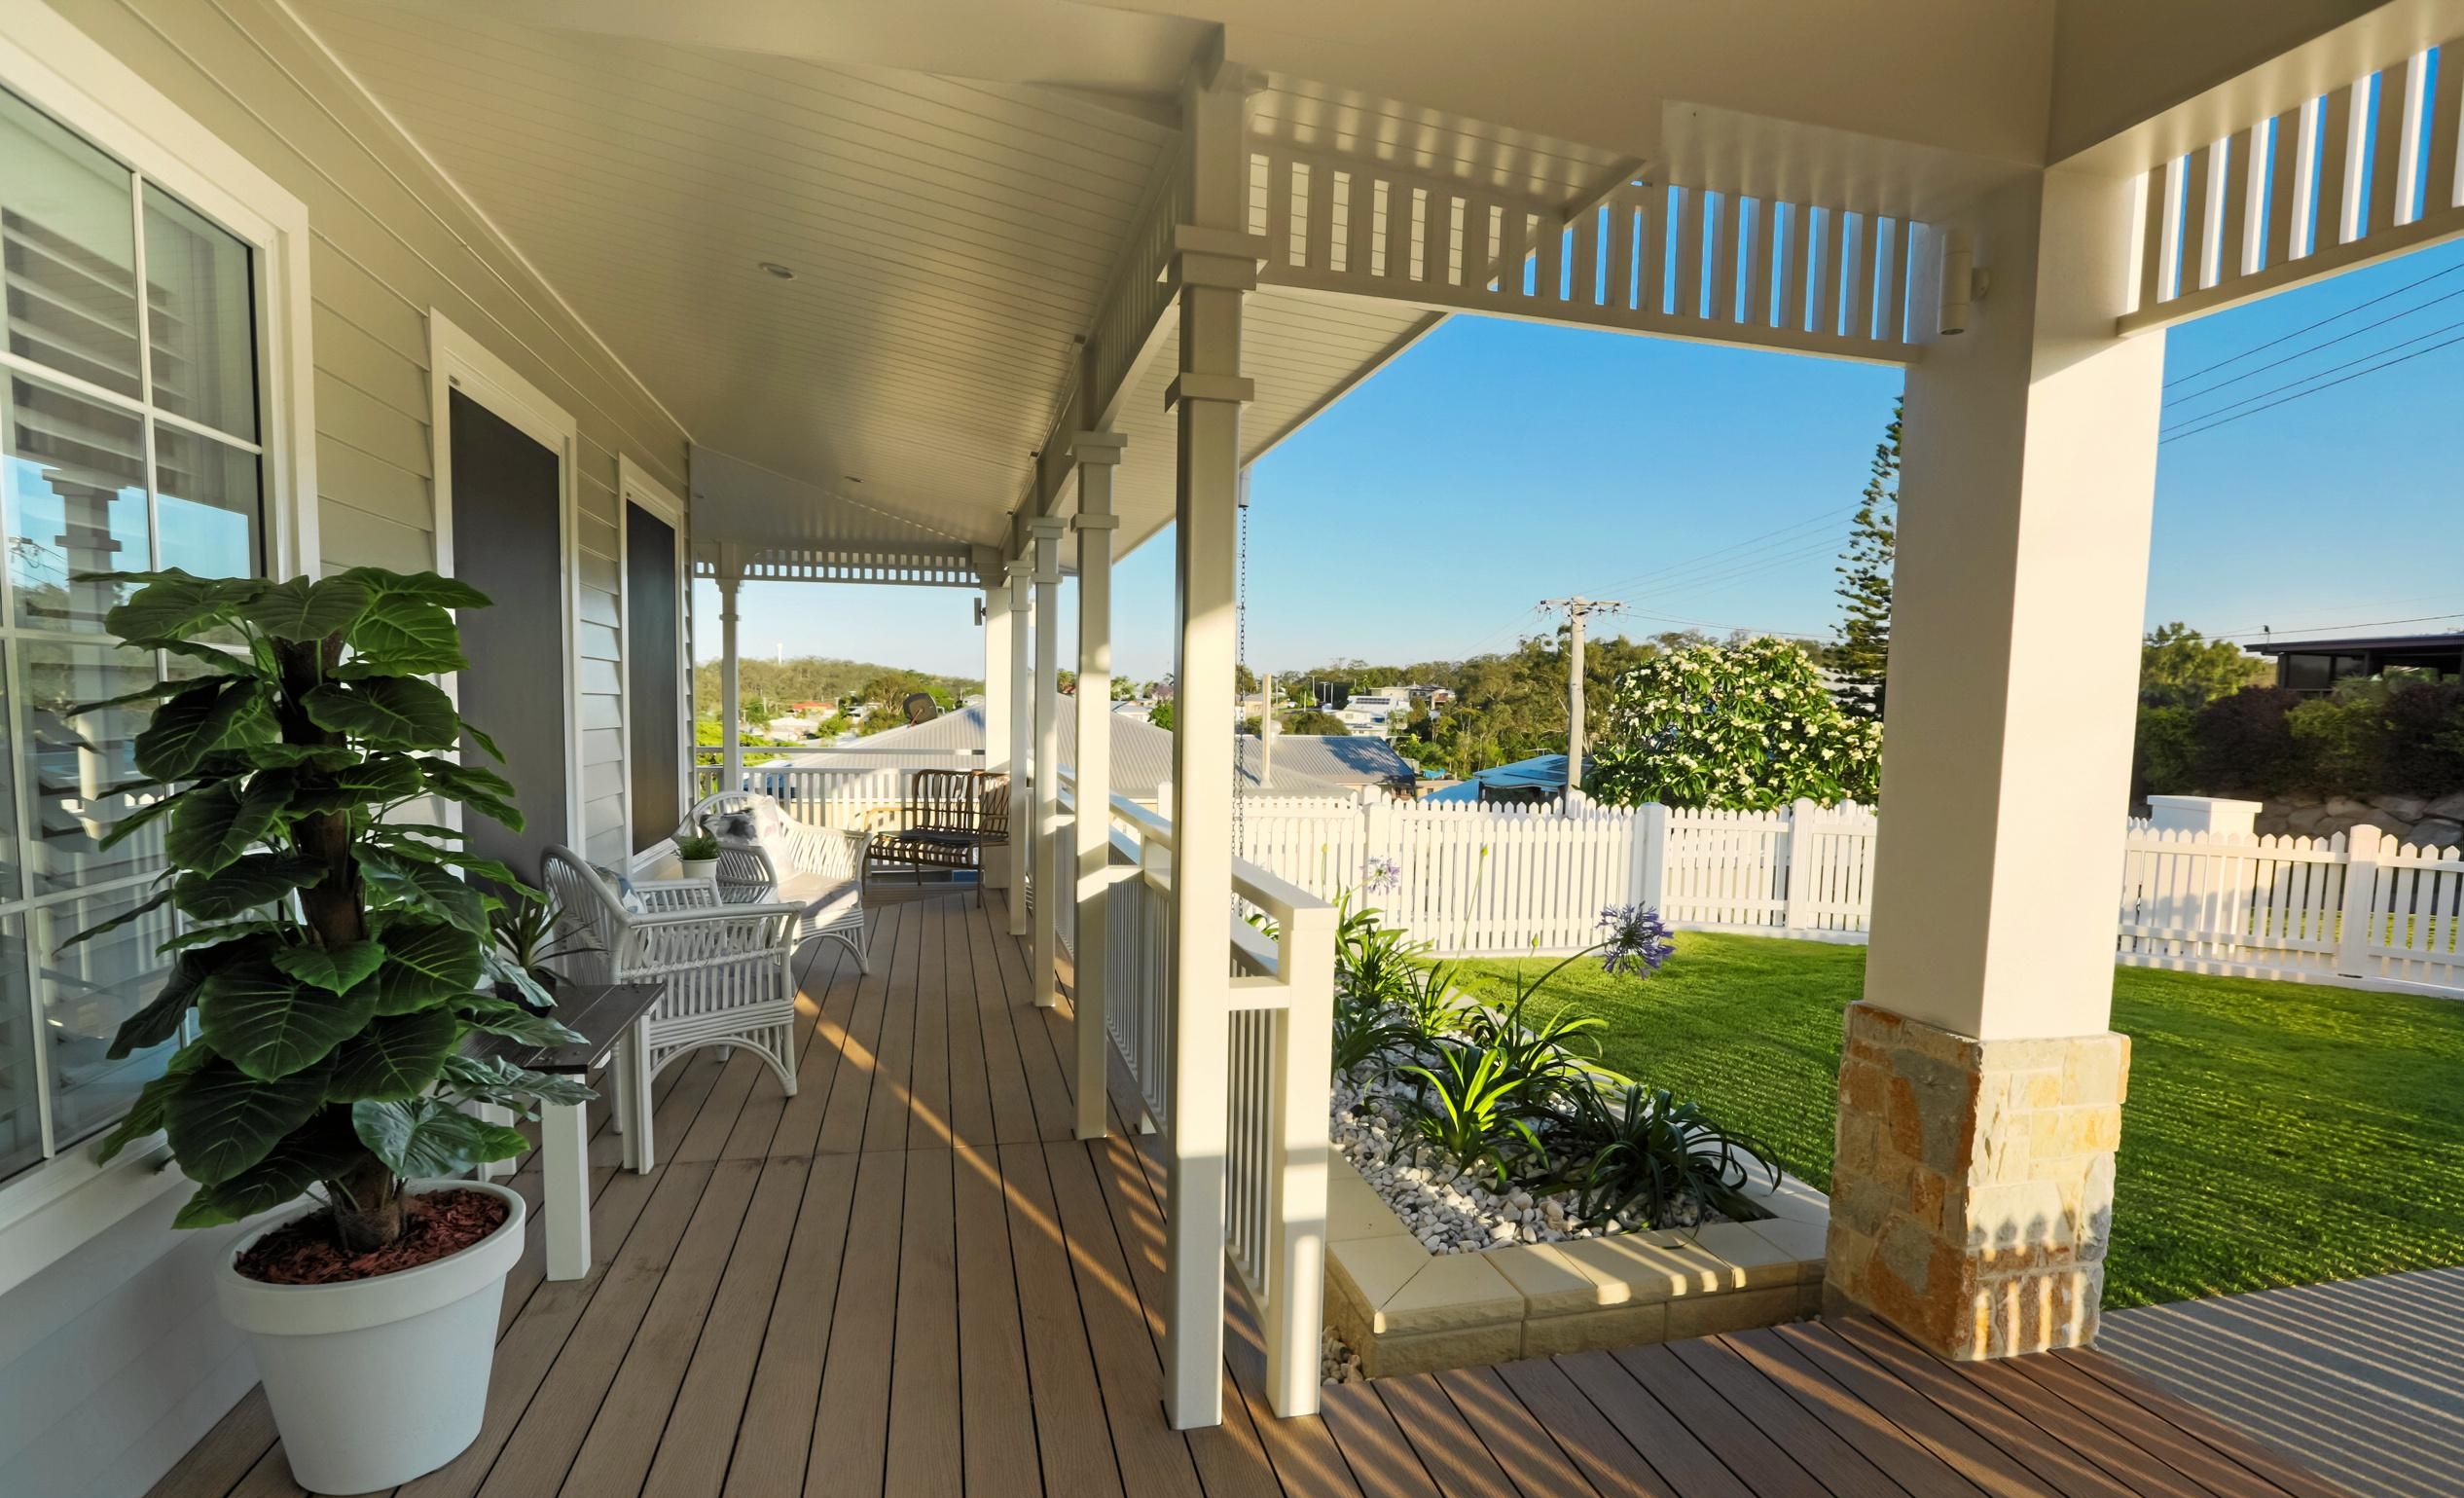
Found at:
[909, 1278]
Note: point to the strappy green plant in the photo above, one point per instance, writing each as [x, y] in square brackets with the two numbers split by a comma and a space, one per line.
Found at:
[1366, 1034]
[333, 955]
[1635, 1155]
[1474, 1110]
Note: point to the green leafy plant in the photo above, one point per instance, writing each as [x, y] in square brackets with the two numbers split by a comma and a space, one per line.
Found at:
[1474, 1110]
[1555, 1057]
[697, 846]
[1366, 1033]
[1747, 726]
[1637, 1156]
[333, 956]
[531, 931]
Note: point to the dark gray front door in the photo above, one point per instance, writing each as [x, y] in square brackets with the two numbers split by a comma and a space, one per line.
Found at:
[506, 535]
[653, 715]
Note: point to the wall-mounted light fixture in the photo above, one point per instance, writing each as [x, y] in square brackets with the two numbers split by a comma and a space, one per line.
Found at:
[1962, 283]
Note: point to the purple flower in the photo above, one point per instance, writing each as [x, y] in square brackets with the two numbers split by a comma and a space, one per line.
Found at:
[1638, 940]
[1383, 874]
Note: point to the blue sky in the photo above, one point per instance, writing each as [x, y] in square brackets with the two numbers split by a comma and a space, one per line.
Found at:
[1497, 463]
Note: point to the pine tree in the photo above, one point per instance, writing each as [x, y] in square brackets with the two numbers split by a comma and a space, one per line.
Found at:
[1862, 657]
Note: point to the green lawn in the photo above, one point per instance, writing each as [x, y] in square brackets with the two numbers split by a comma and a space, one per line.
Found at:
[2276, 1133]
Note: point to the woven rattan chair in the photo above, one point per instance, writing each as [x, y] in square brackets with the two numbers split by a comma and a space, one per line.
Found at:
[765, 854]
[946, 822]
[727, 968]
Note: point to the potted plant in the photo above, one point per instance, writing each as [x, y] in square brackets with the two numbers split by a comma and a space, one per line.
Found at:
[698, 851]
[333, 960]
[531, 933]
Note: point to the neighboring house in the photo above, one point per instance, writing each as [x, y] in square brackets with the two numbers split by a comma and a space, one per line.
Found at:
[1540, 777]
[1142, 756]
[1379, 713]
[2313, 666]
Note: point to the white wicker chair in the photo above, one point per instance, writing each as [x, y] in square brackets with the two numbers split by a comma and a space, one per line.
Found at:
[727, 968]
[819, 870]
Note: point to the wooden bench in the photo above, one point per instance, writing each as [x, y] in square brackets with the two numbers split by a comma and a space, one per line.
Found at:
[609, 1019]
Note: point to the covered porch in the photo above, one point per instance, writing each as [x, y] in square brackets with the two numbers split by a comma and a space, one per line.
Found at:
[912, 1277]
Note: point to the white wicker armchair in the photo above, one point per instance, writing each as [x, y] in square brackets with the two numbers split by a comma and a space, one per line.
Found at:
[772, 855]
[727, 968]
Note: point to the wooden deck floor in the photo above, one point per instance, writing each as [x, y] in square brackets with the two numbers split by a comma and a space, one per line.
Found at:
[908, 1279]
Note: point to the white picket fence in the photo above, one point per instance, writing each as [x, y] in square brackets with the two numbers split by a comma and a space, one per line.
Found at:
[857, 790]
[2357, 910]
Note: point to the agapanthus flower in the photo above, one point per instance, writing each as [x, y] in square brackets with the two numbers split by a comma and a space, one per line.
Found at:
[1384, 874]
[1638, 942]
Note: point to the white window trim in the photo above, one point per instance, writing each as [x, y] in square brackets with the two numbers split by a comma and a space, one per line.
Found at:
[458, 361]
[54, 1208]
[636, 487]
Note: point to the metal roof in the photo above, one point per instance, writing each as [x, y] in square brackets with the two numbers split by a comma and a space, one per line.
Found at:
[2452, 641]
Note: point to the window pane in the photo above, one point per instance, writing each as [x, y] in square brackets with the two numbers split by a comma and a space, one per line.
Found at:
[76, 503]
[209, 504]
[70, 251]
[84, 769]
[200, 318]
[85, 993]
[21, 1113]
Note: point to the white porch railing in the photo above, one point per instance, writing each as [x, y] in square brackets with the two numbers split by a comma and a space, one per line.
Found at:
[1274, 1083]
[861, 796]
[2354, 909]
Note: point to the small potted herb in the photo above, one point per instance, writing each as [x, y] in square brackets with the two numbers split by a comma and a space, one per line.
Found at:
[698, 852]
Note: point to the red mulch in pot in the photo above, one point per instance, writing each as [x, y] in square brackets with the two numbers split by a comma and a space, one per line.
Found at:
[435, 1225]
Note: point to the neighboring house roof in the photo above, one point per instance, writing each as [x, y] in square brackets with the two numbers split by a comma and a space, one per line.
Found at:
[1142, 756]
[1541, 772]
[2359, 642]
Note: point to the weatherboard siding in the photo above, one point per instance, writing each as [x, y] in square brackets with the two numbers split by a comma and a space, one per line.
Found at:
[113, 1361]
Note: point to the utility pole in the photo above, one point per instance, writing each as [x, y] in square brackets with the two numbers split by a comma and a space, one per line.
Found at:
[1576, 609]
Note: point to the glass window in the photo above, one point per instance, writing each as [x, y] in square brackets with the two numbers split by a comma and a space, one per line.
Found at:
[210, 504]
[76, 503]
[84, 993]
[2305, 673]
[81, 771]
[21, 1084]
[200, 318]
[71, 262]
[128, 440]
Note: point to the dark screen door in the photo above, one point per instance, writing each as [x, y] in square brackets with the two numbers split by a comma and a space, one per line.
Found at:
[505, 542]
[653, 716]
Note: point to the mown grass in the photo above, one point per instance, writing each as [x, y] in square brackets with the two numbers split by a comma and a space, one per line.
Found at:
[2276, 1133]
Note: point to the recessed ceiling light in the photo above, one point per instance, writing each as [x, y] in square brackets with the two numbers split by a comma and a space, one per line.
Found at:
[777, 269]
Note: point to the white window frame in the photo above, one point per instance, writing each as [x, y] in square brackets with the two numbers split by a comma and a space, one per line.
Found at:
[458, 361]
[636, 487]
[51, 1209]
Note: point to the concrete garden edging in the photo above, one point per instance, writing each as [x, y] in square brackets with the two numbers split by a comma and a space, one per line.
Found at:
[1406, 1310]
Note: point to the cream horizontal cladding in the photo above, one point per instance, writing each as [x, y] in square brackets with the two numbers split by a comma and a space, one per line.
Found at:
[108, 1379]
[1407, 1310]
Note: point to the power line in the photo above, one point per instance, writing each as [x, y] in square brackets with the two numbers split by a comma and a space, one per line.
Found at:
[2358, 624]
[2194, 431]
[2313, 327]
[2323, 343]
[1700, 558]
[2193, 421]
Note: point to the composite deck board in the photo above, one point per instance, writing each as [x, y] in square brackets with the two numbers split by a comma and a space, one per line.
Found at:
[911, 1279]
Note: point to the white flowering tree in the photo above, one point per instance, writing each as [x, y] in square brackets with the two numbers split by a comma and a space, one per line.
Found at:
[1746, 726]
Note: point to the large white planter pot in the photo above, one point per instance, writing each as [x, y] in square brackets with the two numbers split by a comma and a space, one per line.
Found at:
[375, 1381]
[699, 868]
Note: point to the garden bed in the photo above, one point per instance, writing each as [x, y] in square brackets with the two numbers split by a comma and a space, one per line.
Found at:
[1406, 1309]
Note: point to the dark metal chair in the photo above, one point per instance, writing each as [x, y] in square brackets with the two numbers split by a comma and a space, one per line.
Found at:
[946, 821]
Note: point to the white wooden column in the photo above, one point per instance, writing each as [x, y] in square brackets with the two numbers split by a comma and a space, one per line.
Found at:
[731, 691]
[1216, 263]
[1022, 722]
[999, 869]
[1091, 840]
[1051, 882]
[1981, 1089]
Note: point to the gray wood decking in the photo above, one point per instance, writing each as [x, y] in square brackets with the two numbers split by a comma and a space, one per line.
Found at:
[909, 1279]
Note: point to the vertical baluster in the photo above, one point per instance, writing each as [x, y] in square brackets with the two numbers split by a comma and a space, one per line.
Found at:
[2238, 235]
[1317, 233]
[1398, 233]
[1550, 265]
[1650, 247]
[2339, 169]
[1278, 210]
[2409, 203]
[2443, 188]
[1728, 228]
[1585, 232]
[1685, 207]
[1800, 254]
[1835, 249]
[1895, 282]
[2198, 219]
[1360, 219]
[1868, 272]
[1619, 218]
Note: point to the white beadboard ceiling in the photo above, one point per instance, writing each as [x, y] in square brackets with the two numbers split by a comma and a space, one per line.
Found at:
[949, 237]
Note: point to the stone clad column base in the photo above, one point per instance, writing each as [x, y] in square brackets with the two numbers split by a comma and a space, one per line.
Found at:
[1972, 1189]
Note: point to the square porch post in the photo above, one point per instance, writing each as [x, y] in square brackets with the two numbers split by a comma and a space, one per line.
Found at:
[1980, 1093]
[1091, 831]
[1215, 264]
[1044, 537]
[731, 692]
[996, 708]
[1022, 720]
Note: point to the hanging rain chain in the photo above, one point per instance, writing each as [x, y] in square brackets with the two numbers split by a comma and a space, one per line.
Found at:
[1240, 660]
